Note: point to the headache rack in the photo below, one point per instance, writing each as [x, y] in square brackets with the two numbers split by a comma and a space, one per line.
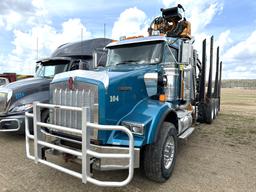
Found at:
[85, 154]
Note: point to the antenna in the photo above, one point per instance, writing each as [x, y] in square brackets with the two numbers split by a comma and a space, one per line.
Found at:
[37, 48]
[104, 30]
[82, 33]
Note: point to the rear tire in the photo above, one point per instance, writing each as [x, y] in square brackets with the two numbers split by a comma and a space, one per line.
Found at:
[217, 107]
[209, 112]
[214, 109]
[160, 157]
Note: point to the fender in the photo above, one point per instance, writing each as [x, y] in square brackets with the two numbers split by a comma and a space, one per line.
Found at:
[169, 116]
[161, 114]
[149, 112]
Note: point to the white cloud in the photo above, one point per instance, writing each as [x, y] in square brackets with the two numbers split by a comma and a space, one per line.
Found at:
[23, 56]
[1, 22]
[230, 74]
[243, 50]
[224, 40]
[40, 6]
[168, 2]
[132, 21]
[12, 19]
[240, 59]
[16, 14]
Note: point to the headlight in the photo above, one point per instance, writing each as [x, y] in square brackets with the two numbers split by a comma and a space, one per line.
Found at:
[8, 93]
[22, 107]
[136, 128]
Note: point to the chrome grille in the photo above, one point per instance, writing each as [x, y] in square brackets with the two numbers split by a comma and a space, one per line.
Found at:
[71, 98]
[82, 96]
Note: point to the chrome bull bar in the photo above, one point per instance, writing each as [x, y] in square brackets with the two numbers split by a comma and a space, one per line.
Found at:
[86, 152]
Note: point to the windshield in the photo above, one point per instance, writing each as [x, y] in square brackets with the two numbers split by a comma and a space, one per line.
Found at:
[48, 71]
[143, 53]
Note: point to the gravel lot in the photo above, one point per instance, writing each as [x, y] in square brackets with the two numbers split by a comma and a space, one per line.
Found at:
[217, 157]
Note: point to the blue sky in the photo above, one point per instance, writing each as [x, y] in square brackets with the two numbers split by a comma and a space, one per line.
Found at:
[52, 23]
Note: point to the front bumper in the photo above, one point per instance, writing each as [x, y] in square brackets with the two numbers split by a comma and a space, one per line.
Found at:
[105, 164]
[88, 152]
[13, 123]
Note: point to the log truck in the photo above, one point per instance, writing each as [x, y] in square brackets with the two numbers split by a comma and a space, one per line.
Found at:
[131, 112]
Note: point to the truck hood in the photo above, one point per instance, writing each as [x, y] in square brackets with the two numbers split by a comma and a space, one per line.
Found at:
[35, 84]
[107, 75]
[27, 91]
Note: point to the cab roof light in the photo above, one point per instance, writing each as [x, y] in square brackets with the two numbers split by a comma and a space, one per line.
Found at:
[131, 37]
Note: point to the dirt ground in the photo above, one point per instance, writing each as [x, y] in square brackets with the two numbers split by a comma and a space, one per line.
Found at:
[217, 157]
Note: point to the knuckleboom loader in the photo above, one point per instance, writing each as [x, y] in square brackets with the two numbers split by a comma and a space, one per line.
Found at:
[130, 113]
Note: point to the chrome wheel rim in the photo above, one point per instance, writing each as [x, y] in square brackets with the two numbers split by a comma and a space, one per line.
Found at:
[212, 114]
[169, 150]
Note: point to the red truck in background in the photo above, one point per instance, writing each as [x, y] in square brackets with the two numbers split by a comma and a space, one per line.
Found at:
[10, 76]
[6, 78]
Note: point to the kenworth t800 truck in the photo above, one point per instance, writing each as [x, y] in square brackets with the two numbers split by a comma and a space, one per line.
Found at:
[130, 113]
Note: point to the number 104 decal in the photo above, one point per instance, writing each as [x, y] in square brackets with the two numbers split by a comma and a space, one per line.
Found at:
[114, 98]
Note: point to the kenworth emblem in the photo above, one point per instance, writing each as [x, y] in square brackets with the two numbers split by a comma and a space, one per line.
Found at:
[71, 83]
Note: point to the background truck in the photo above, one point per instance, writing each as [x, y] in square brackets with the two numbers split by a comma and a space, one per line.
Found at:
[7, 78]
[11, 77]
[16, 98]
[130, 113]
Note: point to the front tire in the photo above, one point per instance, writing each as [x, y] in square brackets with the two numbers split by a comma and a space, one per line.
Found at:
[45, 118]
[160, 157]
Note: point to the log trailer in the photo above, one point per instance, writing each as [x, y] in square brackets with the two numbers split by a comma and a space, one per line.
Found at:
[130, 113]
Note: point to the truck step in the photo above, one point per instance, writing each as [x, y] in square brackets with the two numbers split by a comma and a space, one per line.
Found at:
[187, 133]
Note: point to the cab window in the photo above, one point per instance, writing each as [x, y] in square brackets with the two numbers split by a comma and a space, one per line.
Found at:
[170, 55]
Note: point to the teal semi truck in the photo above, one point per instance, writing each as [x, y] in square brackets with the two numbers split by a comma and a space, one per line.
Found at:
[131, 112]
